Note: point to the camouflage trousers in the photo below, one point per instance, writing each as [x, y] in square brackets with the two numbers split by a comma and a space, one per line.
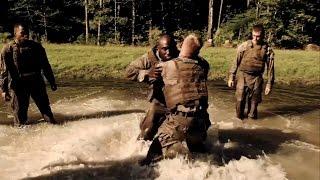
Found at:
[180, 133]
[248, 93]
[149, 125]
[21, 97]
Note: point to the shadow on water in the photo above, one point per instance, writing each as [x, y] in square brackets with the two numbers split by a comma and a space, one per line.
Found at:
[250, 143]
[62, 118]
[289, 110]
[118, 169]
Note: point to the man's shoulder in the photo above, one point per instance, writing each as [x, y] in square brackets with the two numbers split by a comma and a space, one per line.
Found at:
[34, 44]
[203, 62]
[198, 60]
[7, 47]
[202, 59]
[151, 55]
[244, 46]
[148, 56]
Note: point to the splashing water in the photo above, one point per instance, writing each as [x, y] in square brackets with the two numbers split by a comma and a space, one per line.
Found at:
[98, 141]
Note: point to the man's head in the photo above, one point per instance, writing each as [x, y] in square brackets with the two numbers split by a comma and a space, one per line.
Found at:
[167, 47]
[21, 32]
[191, 46]
[257, 34]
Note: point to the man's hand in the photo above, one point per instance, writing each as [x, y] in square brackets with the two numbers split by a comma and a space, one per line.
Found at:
[53, 87]
[231, 82]
[6, 96]
[155, 72]
[267, 89]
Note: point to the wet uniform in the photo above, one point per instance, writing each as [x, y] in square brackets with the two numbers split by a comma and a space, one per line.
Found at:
[186, 94]
[248, 69]
[138, 71]
[21, 65]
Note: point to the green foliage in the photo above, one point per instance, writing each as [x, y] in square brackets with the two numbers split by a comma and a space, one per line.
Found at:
[154, 36]
[288, 23]
[182, 33]
[5, 37]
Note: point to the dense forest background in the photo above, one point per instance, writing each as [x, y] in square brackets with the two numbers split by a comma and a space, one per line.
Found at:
[289, 23]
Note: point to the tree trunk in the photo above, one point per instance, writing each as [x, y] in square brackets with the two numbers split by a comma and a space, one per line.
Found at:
[133, 23]
[150, 21]
[86, 20]
[115, 20]
[210, 22]
[45, 39]
[221, 5]
[99, 23]
[163, 17]
[258, 9]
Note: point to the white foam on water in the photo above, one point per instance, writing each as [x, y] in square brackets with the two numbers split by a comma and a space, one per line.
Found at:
[243, 169]
[45, 149]
[302, 145]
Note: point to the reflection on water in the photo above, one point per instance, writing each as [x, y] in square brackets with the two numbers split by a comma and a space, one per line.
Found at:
[97, 137]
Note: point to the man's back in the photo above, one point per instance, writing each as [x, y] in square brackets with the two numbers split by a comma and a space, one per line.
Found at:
[185, 81]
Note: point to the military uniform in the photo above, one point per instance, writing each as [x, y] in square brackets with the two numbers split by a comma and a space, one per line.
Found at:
[248, 69]
[186, 95]
[21, 65]
[138, 71]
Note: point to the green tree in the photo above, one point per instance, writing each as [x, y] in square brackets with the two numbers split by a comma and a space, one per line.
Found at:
[288, 23]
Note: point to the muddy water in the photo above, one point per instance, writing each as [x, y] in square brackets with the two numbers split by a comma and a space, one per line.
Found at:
[97, 137]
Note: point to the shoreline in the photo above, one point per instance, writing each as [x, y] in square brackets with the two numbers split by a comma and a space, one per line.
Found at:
[94, 82]
[93, 63]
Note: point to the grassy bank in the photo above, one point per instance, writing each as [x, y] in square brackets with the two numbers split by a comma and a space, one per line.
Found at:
[92, 62]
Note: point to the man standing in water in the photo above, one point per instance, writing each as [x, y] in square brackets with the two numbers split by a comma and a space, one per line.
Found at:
[185, 89]
[247, 69]
[144, 69]
[21, 63]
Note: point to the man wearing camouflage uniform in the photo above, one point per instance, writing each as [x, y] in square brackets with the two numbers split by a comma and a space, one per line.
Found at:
[185, 89]
[21, 64]
[247, 69]
[144, 69]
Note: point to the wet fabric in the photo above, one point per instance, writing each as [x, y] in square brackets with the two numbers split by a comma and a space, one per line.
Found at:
[185, 128]
[248, 86]
[22, 65]
[181, 133]
[251, 54]
[254, 59]
[185, 80]
[153, 119]
[247, 70]
[248, 93]
[34, 88]
[138, 70]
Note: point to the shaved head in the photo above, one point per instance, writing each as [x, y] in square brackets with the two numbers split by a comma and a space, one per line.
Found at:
[191, 46]
[21, 31]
